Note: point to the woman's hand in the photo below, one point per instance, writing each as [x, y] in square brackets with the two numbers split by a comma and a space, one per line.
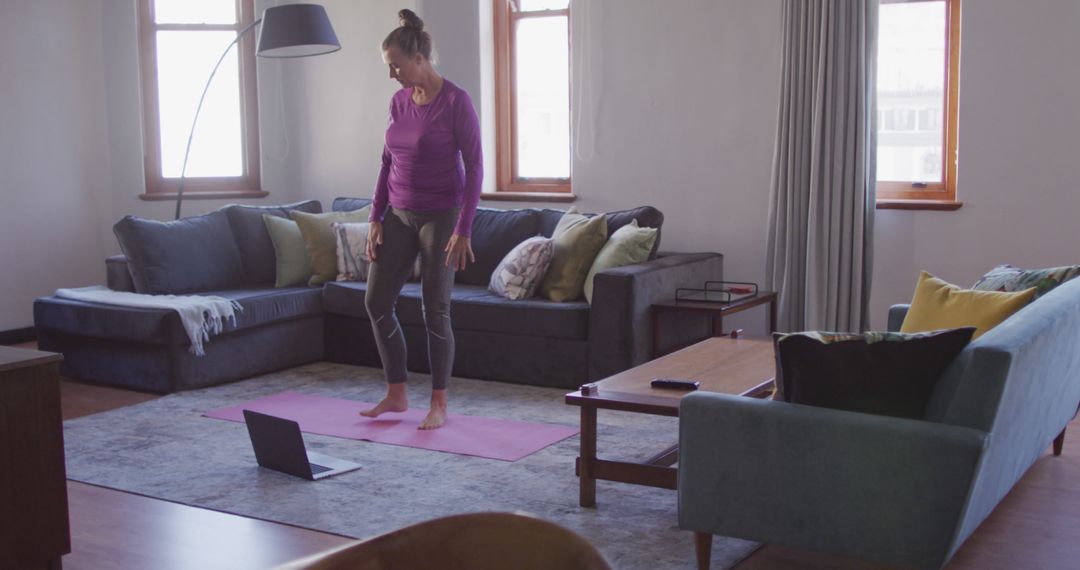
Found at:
[456, 252]
[374, 239]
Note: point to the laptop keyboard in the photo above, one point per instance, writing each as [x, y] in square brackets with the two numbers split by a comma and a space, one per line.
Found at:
[316, 469]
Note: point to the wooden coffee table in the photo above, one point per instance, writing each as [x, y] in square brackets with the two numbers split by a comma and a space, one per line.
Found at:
[732, 366]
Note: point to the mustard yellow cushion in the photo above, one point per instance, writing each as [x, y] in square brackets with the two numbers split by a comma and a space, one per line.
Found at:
[941, 305]
[578, 238]
[321, 242]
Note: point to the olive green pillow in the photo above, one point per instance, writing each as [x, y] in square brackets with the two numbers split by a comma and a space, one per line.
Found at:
[320, 241]
[578, 238]
[290, 252]
[628, 245]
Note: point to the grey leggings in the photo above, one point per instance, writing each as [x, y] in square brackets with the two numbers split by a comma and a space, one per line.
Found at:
[405, 234]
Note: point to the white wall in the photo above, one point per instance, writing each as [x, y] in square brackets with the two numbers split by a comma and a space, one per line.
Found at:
[1019, 164]
[681, 108]
[54, 152]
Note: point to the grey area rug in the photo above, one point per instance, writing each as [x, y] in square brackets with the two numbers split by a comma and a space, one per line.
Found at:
[166, 449]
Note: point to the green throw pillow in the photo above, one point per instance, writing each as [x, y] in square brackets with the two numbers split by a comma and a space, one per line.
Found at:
[628, 245]
[290, 252]
[578, 238]
[320, 240]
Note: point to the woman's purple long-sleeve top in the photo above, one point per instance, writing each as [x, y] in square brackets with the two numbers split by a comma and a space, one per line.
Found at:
[432, 159]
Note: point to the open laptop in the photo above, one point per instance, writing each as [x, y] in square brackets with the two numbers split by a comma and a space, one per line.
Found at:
[278, 445]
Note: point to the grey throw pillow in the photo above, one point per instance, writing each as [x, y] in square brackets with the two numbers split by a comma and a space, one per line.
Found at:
[180, 257]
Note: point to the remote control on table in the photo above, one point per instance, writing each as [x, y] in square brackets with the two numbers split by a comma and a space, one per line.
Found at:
[675, 384]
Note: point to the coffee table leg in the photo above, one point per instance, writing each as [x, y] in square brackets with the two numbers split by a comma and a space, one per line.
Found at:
[588, 456]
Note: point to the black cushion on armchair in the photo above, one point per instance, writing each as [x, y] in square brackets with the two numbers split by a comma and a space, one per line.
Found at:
[884, 373]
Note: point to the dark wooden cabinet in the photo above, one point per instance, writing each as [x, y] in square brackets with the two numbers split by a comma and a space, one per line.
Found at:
[34, 530]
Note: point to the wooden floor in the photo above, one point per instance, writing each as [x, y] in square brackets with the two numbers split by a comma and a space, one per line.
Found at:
[1036, 526]
[116, 530]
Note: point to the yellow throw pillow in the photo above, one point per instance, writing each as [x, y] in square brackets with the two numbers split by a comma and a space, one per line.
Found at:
[321, 242]
[578, 238]
[941, 305]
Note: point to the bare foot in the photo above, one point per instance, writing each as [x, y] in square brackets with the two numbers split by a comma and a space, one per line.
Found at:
[436, 416]
[395, 401]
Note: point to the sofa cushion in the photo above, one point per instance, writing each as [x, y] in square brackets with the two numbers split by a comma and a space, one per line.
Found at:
[292, 266]
[162, 326]
[941, 305]
[320, 241]
[646, 216]
[519, 273]
[494, 234]
[578, 238]
[626, 246]
[253, 241]
[473, 308]
[1009, 279]
[884, 373]
[343, 204]
[189, 255]
[351, 245]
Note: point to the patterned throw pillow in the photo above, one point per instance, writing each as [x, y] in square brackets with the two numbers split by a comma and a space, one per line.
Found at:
[884, 373]
[520, 272]
[1009, 278]
[352, 259]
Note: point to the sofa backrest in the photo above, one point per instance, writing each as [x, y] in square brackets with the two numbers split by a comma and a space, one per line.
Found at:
[344, 204]
[253, 239]
[646, 216]
[1021, 382]
[496, 231]
[1030, 357]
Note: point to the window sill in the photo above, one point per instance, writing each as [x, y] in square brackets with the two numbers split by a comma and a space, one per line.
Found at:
[528, 196]
[171, 196]
[935, 205]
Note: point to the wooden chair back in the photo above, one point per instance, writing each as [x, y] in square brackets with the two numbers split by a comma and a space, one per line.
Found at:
[476, 541]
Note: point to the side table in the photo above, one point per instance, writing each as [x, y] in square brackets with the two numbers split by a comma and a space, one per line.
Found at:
[715, 310]
[34, 531]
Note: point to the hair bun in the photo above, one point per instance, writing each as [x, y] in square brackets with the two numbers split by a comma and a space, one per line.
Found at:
[409, 19]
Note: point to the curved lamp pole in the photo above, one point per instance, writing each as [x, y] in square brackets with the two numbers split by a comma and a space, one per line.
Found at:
[291, 30]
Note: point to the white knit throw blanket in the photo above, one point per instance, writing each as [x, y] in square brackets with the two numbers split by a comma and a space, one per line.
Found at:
[200, 315]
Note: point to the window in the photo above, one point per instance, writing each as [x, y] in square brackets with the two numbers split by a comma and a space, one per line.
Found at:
[532, 92]
[180, 41]
[917, 90]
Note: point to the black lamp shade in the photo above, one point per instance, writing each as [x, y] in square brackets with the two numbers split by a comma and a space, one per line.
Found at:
[296, 30]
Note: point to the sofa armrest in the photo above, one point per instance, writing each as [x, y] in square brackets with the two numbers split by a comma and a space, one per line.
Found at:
[897, 313]
[117, 276]
[881, 488]
[620, 322]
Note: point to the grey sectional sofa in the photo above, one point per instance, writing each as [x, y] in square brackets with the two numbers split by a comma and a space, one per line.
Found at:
[899, 491]
[228, 253]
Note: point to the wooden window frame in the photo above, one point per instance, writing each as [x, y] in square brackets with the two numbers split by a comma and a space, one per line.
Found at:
[510, 186]
[158, 187]
[936, 195]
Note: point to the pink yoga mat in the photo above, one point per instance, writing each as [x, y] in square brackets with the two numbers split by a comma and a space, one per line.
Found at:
[507, 440]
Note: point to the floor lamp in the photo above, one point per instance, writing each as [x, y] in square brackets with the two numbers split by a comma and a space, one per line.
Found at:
[291, 30]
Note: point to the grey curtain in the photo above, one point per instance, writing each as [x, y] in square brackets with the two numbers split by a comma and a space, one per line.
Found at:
[821, 208]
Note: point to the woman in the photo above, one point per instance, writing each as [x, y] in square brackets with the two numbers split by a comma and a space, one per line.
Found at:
[424, 203]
